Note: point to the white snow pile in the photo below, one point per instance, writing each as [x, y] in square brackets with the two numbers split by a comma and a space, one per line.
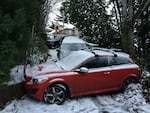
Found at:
[131, 101]
[16, 75]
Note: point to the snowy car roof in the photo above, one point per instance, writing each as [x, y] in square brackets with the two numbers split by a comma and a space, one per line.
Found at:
[103, 53]
[109, 52]
[122, 54]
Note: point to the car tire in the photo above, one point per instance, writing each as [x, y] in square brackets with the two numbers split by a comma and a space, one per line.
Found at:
[55, 94]
[128, 81]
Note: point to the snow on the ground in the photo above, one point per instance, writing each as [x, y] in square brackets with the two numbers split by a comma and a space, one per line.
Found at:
[131, 101]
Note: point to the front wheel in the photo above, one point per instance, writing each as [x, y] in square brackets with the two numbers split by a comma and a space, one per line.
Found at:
[55, 94]
[127, 82]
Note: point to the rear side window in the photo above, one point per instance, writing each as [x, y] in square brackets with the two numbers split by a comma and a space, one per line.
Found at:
[119, 60]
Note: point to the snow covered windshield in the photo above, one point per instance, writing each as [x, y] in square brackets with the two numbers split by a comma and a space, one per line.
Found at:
[75, 58]
[72, 43]
[72, 46]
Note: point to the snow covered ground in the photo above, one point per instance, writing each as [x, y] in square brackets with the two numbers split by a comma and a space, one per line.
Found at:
[131, 101]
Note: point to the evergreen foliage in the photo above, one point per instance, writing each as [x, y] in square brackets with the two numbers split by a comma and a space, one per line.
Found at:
[91, 18]
[17, 18]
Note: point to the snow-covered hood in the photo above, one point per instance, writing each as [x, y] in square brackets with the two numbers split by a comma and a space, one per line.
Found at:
[43, 69]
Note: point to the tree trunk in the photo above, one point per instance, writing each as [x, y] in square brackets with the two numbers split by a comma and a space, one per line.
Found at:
[126, 27]
[130, 13]
[124, 35]
[118, 15]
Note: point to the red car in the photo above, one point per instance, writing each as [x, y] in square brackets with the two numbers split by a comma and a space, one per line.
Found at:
[82, 73]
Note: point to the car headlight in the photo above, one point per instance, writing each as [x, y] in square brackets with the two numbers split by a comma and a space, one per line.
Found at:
[38, 80]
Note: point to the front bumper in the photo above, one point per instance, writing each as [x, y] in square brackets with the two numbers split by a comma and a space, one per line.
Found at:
[35, 90]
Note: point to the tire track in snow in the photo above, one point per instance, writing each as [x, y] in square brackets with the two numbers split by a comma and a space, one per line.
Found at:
[99, 105]
[107, 104]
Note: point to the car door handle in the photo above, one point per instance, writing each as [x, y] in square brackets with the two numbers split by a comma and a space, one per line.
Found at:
[106, 73]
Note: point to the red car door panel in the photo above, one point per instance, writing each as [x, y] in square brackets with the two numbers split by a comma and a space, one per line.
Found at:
[95, 80]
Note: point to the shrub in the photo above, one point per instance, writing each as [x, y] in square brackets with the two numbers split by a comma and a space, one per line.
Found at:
[145, 81]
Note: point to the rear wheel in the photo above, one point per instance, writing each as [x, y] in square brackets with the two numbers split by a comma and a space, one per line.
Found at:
[55, 94]
[127, 82]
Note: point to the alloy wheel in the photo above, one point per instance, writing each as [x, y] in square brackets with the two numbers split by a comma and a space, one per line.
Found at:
[55, 94]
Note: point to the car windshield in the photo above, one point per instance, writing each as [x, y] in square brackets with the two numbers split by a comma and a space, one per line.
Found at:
[74, 59]
[73, 46]
[72, 43]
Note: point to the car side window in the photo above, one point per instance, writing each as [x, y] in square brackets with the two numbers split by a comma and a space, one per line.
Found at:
[96, 62]
[119, 60]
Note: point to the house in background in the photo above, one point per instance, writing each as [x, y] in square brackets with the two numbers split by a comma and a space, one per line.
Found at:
[65, 29]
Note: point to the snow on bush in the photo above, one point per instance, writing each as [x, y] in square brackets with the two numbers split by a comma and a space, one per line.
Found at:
[16, 75]
[36, 56]
[145, 81]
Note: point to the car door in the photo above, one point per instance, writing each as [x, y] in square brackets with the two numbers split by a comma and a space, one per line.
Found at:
[97, 77]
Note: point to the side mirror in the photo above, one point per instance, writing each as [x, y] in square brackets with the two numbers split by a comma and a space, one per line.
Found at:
[82, 70]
